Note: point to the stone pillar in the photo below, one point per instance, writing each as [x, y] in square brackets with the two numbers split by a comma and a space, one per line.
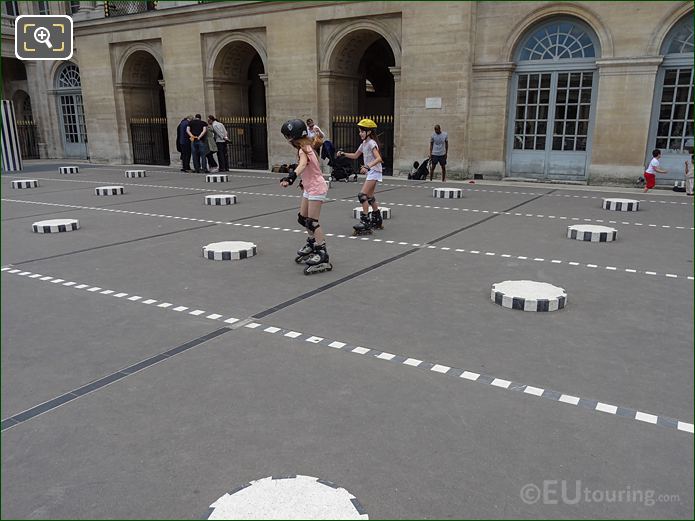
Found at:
[396, 73]
[486, 136]
[622, 116]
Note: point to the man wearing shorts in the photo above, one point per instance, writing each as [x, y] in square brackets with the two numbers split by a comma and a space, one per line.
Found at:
[439, 148]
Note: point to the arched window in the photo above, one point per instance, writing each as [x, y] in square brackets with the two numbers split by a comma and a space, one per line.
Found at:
[671, 129]
[69, 77]
[69, 100]
[553, 95]
[557, 41]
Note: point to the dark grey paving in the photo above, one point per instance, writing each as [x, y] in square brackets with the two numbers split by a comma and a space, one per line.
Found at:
[406, 443]
[409, 443]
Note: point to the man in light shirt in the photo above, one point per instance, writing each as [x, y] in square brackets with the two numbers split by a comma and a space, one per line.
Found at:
[439, 149]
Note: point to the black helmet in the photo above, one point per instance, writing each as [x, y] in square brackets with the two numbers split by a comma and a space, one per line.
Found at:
[294, 129]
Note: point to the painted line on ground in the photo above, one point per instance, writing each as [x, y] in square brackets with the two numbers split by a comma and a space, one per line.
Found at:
[612, 269]
[369, 352]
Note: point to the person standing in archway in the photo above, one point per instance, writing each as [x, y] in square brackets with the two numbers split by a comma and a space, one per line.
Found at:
[372, 168]
[196, 133]
[183, 144]
[221, 139]
[439, 149]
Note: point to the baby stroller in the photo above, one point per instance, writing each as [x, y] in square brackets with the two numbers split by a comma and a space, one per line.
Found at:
[341, 167]
[420, 170]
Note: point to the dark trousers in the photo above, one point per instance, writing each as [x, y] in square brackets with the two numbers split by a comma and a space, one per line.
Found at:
[186, 156]
[222, 156]
[211, 160]
[200, 150]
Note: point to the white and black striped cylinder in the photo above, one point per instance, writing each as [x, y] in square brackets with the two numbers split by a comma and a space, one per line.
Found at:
[109, 190]
[56, 226]
[216, 178]
[591, 233]
[447, 193]
[25, 183]
[229, 250]
[385, 212]
[528, 295]
[220, 199]
[132, 174]
[620, 205]
[68, 169]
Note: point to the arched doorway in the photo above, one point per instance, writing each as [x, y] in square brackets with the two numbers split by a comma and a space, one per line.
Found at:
[360, 83]
[145, 108]
[238, 86]
[552, 99]
[71, 112]
[671, 128]
[26, 128]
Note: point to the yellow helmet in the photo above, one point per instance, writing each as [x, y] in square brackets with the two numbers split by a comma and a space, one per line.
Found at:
[366, 123]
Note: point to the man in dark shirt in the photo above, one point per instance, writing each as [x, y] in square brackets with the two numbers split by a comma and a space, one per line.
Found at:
[183, 144]
[196, 132]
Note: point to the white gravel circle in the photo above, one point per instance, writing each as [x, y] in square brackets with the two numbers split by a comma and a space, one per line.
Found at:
[295, 497]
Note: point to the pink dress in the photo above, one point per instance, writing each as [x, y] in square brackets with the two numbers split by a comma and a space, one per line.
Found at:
[312, 178]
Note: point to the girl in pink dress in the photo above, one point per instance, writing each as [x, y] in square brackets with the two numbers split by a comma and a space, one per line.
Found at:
[314, 252]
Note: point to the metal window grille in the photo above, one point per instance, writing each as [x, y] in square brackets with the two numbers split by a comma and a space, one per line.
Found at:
[345, 137]
[124, 8]
[248, 141]
[69, 77]
[28, 139]
[572, 108]
[675, 127]
[532, 105]
[150, 140]
[682, 40]
[44, 8]
[557, 41]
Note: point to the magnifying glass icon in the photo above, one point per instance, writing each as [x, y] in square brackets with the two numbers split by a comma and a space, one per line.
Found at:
[42, 35]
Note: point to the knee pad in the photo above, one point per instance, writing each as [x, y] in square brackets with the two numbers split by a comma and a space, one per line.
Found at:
[371, 200]
[301, 219]
[311, 224]
[362, 197]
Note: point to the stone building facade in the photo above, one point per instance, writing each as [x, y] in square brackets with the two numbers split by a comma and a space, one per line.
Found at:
[571, 91]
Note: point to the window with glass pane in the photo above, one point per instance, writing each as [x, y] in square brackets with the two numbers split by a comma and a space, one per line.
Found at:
[572, 108]
[530, 123]
[675, 126]
[11, 8]
[557, 41]
[44, 8]
[69, 77]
